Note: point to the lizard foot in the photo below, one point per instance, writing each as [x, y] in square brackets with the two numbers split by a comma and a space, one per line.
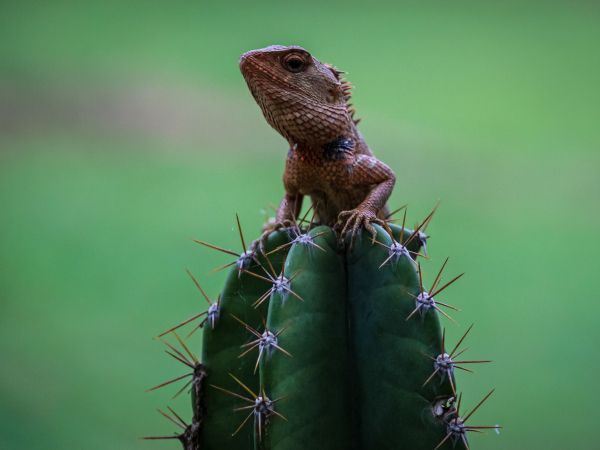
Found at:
[354, 219]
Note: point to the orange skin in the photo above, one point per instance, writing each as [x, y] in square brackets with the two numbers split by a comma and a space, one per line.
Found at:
[306, 101]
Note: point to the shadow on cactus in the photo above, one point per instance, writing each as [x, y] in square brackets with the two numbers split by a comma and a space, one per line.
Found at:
[316, 343]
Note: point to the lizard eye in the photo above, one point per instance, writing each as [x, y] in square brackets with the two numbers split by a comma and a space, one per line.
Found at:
[294, 63]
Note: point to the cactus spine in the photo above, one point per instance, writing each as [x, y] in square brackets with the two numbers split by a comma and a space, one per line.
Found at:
[315, 344]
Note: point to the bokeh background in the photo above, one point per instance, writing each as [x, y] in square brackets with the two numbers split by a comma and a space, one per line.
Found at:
[126, 130]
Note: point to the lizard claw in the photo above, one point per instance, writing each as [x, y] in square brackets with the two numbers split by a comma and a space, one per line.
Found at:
[354, 219]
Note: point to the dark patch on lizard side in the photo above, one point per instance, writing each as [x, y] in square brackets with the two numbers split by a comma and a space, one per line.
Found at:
[339, 148]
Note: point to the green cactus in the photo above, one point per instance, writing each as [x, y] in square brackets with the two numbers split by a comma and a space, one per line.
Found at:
[221, 345]
[327, 345]
[313, 383]
[389, 350]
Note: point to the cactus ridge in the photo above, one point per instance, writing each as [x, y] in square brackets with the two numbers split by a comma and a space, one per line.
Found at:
[318, 343]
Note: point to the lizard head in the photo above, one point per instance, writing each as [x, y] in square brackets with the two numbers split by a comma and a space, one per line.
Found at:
[305, 100]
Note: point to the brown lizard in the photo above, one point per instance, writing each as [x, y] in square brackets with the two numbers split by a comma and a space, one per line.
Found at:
[307, 102]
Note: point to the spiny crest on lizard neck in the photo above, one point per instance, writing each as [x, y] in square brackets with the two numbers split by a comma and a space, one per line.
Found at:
[305, 100]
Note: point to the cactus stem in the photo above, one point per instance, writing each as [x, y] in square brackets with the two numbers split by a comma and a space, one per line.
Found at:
[351, 279]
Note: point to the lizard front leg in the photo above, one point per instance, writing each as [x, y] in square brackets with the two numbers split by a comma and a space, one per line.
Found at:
[368, 171]
[286, 216]
[289, 209]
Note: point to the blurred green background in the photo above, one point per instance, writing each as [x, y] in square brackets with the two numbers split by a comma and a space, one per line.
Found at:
[126, 130]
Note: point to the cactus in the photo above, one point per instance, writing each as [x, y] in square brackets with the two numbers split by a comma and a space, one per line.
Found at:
[317, 343]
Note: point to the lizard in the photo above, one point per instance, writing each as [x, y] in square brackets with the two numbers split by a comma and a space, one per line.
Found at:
[308, 103]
